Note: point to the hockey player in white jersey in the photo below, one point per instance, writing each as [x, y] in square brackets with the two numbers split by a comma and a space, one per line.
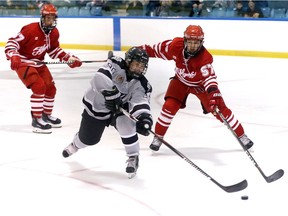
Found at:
[118, 83]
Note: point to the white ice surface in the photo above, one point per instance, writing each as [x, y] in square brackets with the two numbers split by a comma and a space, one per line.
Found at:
[36, 181]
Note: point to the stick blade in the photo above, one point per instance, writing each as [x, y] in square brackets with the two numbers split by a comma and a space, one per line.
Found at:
[275, 176]
[236, 187]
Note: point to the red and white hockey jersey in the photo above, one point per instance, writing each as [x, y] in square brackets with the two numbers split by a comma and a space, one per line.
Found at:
[196, 71]
[33, 44]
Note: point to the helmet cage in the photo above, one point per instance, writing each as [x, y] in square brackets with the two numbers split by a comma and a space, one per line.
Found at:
[138, 55]
[48, 9]
[193, 32]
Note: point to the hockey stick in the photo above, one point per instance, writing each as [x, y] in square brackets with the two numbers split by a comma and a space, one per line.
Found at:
[275, 176]
[232, 188]
[68, 62]
[110, 54]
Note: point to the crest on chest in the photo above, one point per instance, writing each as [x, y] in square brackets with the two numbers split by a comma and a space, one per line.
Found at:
[119, 79]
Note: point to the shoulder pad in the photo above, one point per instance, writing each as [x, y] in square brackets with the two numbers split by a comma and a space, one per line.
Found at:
[145, 84]
[119, 61]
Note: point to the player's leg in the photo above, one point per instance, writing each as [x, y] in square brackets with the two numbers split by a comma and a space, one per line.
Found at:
[31, 79]
[129, 137]
[49, 98]
[90, 133]
[175, 98]
[232, 120]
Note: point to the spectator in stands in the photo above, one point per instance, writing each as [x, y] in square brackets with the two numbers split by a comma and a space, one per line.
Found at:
[81, 3]
[219, 4]
[239, 9]
[95, 3]
[165, 8]
[97, 6]
[253, 11]
[196, 8]
[134, 8]
[98, 3]
[261, 4]
[176, 6]
[153, 8]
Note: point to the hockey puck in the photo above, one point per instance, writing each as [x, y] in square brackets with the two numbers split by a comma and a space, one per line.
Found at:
[244, 197]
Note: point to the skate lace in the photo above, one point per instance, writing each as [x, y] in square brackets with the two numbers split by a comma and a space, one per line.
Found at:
[41, 121]
[156, 141]
[245, 140]
[131, 162]
[51, 118]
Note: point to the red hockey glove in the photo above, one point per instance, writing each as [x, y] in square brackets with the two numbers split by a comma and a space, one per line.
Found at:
[15, 60]
[215, 99]
[76, 62]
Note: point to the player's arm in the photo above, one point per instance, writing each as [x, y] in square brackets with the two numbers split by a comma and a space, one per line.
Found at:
[11, 50]
[56, 52]
[160, 50]
[139, 106]
[211, 86]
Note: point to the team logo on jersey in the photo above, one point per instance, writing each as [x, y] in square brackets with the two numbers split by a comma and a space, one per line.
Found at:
[119, 79]
[184, 74]
[40, 50]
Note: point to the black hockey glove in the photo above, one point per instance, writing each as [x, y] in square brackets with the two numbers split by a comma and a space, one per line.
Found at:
[144, 124]
[113, 99]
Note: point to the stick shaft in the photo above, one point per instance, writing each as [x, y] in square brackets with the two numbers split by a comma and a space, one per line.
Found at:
[55, 62]
[278, 174]
[232, 188]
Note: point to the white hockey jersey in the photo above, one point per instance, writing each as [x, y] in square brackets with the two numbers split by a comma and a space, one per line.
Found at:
[135, 93]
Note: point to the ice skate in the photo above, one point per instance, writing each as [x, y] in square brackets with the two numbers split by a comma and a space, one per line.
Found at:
[156, 143]
[132, 166]
[69, 150]
[40, 126]
[246, 141]
[53, 121]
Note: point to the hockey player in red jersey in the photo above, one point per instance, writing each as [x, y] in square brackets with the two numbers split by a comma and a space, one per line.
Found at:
[194, 74]
[27, 49]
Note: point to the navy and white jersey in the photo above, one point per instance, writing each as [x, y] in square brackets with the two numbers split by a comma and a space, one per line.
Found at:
[135, 93]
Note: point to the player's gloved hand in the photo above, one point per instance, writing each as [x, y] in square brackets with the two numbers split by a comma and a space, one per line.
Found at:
[144, 124]
[113, 99]
[215, 99]
[15, 60]
[75, 61]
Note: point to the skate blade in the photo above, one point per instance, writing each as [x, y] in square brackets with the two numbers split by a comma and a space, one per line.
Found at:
[131, 175]
[40, 131]
[56, 126]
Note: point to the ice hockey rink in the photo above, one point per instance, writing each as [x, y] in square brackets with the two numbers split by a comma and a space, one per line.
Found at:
[36, 180]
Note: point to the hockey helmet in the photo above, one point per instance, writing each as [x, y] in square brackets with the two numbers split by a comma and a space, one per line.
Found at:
[48, 9]
[193, 32]
[137, 62]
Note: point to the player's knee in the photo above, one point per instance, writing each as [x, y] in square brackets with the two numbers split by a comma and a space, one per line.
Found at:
[38, 86]
[225, 112]
[51, 90]
[172, 105]
[28, 75]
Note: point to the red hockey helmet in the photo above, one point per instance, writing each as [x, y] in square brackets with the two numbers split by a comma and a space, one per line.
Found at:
[47, 10]
[194, 32]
